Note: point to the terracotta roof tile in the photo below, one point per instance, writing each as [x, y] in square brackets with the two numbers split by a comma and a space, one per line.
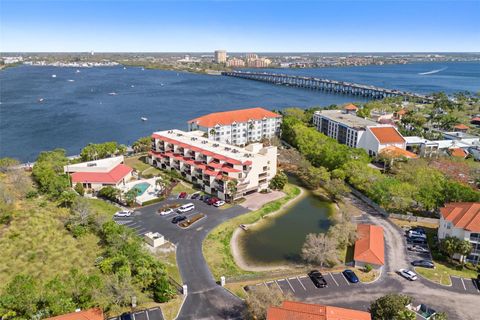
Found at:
[291, 310]
[458, 152]
[461, 126]
[393, 151]
[228, 117]
[369, 247]
[464, 215]
[112, 177]
[350, 107]
[90, 314]
[387, 134]
[476, 119]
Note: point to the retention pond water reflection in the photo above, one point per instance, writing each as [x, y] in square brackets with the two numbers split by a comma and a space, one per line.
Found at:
[278, 239]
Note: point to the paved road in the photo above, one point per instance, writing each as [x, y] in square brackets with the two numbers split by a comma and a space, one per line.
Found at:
[205, 298]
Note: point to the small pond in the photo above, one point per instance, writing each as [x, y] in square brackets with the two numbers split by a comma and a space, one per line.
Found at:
[278, 239]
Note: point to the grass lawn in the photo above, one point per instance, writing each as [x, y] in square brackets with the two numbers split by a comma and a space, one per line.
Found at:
[138, 163]
[169, 259]
[442, 272]
[37, 243]
[365, 276]
[216, 246]
[183, 186]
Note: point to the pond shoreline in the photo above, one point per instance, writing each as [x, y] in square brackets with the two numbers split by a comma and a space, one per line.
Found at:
[237, 252]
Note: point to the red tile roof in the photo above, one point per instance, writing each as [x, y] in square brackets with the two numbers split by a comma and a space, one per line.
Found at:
[461, 126]
[350, 107]
[476, 119]
[464, 215]
[387, 135]
[458, 152]
[228, 117]
[401, 112]
[114, 176]
[369, 247]
[90, 314]
[393, 151]
[291, 310]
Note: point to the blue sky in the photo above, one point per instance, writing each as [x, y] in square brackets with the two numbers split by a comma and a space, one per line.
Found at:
[240, 25]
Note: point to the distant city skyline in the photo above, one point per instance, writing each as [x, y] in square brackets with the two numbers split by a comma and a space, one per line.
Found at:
[239, 26]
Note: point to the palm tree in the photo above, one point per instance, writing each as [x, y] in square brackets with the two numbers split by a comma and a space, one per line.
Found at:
[232, 189]
[212, 132]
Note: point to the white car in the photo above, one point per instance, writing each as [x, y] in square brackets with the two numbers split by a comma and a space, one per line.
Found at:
[124, 213]
[420, 249]
[219, 203]
[408, 274]
[166, 211]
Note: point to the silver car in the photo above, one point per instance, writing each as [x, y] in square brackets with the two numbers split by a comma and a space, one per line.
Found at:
[408, 274]
[123, 213]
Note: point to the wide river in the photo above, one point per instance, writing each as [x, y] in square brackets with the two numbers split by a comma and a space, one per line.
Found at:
[47, 107]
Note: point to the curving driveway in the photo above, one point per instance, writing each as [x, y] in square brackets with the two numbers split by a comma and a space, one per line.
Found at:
[207, 300]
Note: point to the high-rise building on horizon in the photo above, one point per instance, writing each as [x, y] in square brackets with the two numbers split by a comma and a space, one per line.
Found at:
[220, 56]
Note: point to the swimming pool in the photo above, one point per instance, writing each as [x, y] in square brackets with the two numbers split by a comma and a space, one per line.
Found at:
[141, 188]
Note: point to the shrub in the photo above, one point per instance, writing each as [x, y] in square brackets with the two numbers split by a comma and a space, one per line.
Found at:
[146, 203]
[368, 268]
[31, 194]
[79, 188]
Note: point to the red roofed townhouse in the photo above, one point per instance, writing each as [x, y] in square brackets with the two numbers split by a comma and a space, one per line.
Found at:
[95, 175]
[377, 138]
[290, 310]
[90, 314]
[350, 108]
[461, 128]
[210, 164]
[462, 220]
[238, 127]
[370, 246]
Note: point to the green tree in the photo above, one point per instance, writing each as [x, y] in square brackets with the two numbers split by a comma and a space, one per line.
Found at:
[131, 195]
[389, 307]
[143, 144]
[279, 181]
[448, 245]
[109, 192]
[232, 187]
[48, 172]
[20, 298]
[463, 248]
[440, 316]
[66, 199]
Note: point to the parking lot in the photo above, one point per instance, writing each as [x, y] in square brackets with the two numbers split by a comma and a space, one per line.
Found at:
[464, 285]
[302, 286]
[148, 314]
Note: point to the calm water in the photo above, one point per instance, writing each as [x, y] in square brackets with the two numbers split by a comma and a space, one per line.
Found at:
[279, 239]
[75, 113]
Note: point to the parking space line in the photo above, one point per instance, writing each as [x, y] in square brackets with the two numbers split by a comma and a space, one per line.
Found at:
[463, 283]
[302, 283]
[133, 316]
[290, 285]
[345, 278]
[266, 286]
[278, 286]
[146, 312]
[333, 279]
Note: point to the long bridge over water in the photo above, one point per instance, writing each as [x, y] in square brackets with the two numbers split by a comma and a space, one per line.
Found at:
[333, 86]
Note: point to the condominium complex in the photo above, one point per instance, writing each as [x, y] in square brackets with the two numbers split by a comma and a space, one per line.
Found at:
[220, 56]
[235, 62]
[462, 220]
[210, 165]
[356, 132]
[238, 127]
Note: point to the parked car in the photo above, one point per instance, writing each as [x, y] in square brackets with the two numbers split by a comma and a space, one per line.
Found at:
[350, 276]
[420, 249]
[166, 211]
[212, 200]
[196, 195]
[182, 195]
[423, 263]
[123, 213]
[317, 279]
[418, 230]
[206, 198]
[477, 281]
[219, 203]
[178, 219]
[415, 234]
[408, 274]
[416, 240]
[186, 207]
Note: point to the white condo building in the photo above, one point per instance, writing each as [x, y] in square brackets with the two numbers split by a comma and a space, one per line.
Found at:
[356, 132]
[238, 127]
[462, 220]
[211, 164]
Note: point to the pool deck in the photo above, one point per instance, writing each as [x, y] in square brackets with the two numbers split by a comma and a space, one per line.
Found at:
[149, 194]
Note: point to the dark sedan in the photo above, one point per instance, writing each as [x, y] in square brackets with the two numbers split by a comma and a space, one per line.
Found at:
[177, 219]
[317, 279]
[423, 263]
[350, 276]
